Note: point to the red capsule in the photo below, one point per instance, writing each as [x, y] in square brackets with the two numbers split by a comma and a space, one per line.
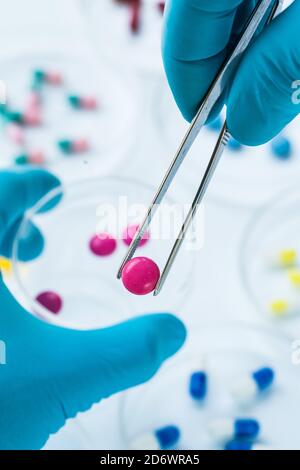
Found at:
[135, 15]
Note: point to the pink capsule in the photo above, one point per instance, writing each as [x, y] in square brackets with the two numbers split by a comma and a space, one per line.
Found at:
[15, 133]
[89, 103]
[80, 145]
[51, 301]
[130, 232]
[32, 115]
[36, 157]
[33, 100]
[140, 276]
[103, 244]
[54, 78]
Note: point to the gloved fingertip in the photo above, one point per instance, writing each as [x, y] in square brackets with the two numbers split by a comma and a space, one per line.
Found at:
[171, 334]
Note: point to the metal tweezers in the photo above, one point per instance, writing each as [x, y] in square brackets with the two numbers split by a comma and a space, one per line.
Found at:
[260, 12]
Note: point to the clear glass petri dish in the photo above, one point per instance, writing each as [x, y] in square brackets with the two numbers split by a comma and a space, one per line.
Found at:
[244, 178]
[108, 23]
[86, 283]
[273, 228]
[110, 145]
[227, 352]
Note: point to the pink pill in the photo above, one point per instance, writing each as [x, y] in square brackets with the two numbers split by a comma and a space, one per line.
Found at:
[33, 100]
[140, 276]
[80, 145]
[51, 301]
[32, 116]
[54, 78]
[89, 102]
[103, 244]
[130, 232]
[36, 157]
[16, 134]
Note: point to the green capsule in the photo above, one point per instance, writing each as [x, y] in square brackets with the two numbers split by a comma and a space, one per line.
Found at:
[74, 101]
[21, 159]
[65, 146]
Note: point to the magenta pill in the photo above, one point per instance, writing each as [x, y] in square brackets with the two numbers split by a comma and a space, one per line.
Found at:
[130, 232]
[51, 301]
[103, 244]
[140, 275]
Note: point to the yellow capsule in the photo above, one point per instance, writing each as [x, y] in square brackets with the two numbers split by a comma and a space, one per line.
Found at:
[280, 308]
[5, 265]
[294, 277]
[287, 258]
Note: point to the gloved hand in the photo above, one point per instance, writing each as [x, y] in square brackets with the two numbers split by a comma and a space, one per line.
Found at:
[260, 100]
[53, 373]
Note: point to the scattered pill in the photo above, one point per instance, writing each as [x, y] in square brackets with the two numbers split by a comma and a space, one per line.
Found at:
[51, 301]
[34, 99]
[283, 307]
[5, 265]
[235, 429]
[130, 232]
[103, 244]
[162, 439]
[135, 12]
[198, 385]
[281, 148]
[286, 258]
[294, 277]
[14, 116]
[245, 446]
[54, 78]
[161, 6]
[73, 146]
[32, 116]
[35, 157]
[246, 389]
[51, 77]
[140, 275]
[83, 102]
[15, 133]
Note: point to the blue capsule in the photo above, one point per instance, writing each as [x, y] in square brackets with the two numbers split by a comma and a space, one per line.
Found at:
[281, 148]
[198, 385]
[239, 445]
[246, 429]
[264, 378]
[167, 437]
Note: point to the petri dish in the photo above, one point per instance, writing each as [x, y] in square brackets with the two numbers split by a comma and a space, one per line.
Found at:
[228, 351]
[109, 23]
[86, 283]
[273, 228]
[247, 177]
[109, 144]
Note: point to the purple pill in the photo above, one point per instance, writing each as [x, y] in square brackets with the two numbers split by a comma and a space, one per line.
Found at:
[51, 301]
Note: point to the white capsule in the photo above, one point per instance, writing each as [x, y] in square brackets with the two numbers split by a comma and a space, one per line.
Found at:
[247, 388]
[223, 430]
[162, 438]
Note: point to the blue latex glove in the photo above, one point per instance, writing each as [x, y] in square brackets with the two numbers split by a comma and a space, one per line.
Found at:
[53, 373]
[196, 37]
